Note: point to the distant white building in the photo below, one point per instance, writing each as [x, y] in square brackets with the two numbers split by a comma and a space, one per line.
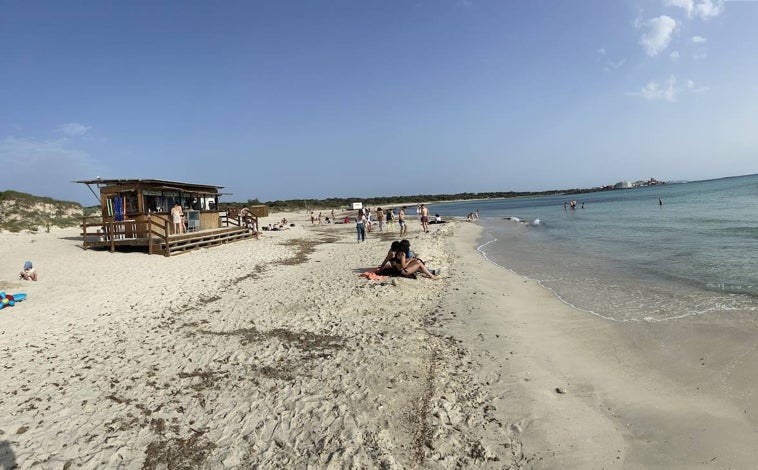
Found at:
[356, 205]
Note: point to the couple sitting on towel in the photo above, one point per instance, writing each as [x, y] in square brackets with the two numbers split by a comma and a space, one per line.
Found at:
[400, 257]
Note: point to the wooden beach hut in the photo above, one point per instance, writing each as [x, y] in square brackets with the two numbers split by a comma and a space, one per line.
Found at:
[137, 212]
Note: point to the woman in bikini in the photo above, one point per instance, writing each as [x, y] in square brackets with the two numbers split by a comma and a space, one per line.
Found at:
[390, 255]
[406, 265]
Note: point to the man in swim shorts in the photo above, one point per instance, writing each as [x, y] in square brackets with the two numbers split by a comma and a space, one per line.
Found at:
[425, 218]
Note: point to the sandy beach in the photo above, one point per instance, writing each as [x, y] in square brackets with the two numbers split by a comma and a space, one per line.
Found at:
[274, 353]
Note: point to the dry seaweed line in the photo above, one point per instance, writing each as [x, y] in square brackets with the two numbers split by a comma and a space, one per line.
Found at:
[177, 453]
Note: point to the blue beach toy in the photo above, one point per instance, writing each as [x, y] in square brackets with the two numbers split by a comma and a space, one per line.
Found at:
[9, 300]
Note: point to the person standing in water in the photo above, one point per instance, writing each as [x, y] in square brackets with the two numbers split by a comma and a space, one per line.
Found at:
[660, 203]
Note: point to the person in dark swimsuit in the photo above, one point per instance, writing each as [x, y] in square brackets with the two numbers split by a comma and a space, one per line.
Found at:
[391, 255]
[407, 266]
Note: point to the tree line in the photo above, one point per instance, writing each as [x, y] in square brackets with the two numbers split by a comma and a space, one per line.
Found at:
[333, 202]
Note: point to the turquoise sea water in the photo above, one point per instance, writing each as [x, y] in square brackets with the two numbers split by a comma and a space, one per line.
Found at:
[624, 256]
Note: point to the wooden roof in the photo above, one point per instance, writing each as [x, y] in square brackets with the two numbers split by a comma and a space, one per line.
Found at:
[150, 182]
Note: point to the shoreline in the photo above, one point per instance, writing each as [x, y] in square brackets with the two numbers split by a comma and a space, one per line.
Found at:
[674, 395]
[273, 352]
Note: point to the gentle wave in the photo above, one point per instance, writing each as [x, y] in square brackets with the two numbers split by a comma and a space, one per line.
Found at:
[624, 257]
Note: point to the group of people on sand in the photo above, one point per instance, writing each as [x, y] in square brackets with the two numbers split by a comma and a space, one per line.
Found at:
[386, 219]
[404, 261]
[320, 218]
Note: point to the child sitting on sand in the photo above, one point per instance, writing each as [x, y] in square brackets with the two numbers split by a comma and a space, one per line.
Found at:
[28, 273]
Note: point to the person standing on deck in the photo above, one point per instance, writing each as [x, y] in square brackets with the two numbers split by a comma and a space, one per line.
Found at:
[176, 218]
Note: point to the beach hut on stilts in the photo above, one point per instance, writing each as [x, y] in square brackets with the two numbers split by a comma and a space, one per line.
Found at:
[137, 212]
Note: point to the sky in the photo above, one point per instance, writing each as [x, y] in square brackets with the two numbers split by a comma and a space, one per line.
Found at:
[344, 98]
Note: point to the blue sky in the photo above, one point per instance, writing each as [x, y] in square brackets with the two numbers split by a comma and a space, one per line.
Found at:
[308, 99]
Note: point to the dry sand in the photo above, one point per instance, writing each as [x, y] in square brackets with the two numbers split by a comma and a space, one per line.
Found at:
[274, 353]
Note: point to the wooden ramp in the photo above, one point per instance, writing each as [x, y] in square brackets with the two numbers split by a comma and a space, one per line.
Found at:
[178, 244]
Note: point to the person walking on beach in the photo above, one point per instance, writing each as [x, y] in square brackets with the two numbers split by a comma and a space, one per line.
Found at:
[360, 226]
[391, 220]
[401, 221]
[313, 218]
[380, 218]
[319, 218]
[425, 218]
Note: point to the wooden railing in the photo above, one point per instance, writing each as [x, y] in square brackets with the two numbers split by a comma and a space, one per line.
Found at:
[229, 219]
[109, 233]
[162, 235]
[155, 232]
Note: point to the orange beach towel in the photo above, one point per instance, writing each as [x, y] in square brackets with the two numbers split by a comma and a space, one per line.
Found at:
[372, 275]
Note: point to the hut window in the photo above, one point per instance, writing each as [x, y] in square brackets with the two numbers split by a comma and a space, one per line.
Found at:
[132, 208]
[155, 204]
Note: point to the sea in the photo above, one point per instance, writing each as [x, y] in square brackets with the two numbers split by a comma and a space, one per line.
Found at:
[646, 254]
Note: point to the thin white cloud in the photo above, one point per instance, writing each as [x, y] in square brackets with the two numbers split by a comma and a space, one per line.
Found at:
[667, 90]
[614, 65]
[660, 91]
[699, 39]
[703, 9]
[657, 35]
[674, 56]
[687, 5]
[74, 129]
[31, 152]
[608, 63]
[707, 9]
[44, 168]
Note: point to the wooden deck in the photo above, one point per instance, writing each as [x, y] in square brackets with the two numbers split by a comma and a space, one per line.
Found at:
[112, 235]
